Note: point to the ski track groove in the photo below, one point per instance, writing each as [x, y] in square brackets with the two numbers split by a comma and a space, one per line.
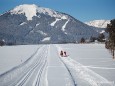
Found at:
[41, 70]
[28, 73]
[72, 78]
[37, 65]
[39, 76]
[94, 83]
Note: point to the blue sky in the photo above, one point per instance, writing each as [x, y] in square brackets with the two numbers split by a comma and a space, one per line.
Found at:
[83, 10]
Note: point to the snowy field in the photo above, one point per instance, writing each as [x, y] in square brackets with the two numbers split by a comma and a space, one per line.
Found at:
[42, 65]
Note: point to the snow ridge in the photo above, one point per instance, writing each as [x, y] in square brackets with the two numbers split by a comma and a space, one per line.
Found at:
[98, 23]
[31, 10]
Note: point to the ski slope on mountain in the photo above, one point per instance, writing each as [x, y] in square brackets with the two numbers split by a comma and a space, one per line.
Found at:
[42, 65]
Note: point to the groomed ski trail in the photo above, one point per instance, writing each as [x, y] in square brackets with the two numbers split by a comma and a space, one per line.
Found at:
[81, 75]
[45, 67]
[58, 75]
[30, 72]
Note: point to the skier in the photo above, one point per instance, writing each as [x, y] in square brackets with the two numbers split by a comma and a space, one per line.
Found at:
[65, 54]
[61, 53]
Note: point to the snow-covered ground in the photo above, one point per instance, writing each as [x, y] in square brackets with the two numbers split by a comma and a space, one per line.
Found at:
[12, 56]
[42, 65]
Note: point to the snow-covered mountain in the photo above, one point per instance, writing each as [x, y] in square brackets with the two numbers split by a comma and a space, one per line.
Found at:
[31, 10]
[28, 24]
[98, 23]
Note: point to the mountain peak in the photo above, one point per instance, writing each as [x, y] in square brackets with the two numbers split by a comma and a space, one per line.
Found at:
[98, 23]
[46, 26]
[30, 10]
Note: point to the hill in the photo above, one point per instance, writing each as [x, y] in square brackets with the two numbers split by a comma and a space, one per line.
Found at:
[31, 24]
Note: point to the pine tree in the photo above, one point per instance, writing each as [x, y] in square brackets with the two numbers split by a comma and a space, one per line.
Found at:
[82, 40]
[101, 37]
[110, 44]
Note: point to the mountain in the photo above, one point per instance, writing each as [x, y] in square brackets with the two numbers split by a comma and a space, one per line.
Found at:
[31, 24]
[98, 23]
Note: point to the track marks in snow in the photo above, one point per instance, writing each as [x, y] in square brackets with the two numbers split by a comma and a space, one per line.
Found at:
[69, 72]
[106, 68]
[82, 75]
[29, 73]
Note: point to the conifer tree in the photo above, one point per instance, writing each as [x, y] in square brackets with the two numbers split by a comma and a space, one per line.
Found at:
[110, 44]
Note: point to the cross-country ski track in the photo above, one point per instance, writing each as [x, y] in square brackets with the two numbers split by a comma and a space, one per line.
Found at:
[45, 67]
